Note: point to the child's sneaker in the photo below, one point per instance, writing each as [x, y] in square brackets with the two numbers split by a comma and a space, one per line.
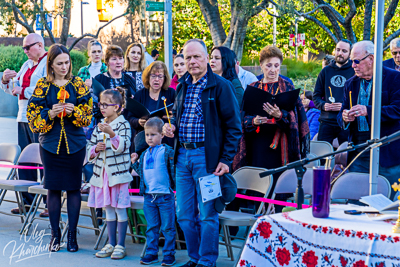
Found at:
[119, 253]
[149, 259]
[105, 252]
[168, 260]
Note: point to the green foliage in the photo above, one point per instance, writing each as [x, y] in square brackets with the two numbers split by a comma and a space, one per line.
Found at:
[306, 83]
[299, 69]
[78, 59]
[13, 57]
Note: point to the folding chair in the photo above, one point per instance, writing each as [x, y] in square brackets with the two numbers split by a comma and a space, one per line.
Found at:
[246, 178]
[312, 163]
[29, 155]
[287, 183]
[320, 148]
[354, 185]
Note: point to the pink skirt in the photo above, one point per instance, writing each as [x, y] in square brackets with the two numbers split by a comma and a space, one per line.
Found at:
[116, 196]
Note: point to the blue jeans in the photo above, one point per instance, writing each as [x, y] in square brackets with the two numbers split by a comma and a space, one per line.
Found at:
[201, 233]
[159, 211]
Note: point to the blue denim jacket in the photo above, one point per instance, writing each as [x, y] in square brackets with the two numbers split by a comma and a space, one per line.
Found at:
[169, 161]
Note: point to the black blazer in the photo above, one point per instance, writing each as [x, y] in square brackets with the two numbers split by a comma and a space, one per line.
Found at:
[390, 112]
[389, 63]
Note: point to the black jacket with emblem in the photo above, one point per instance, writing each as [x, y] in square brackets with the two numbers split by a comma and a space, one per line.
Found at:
[334, 77]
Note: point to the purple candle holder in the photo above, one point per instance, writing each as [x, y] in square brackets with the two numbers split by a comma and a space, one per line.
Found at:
[321, 192]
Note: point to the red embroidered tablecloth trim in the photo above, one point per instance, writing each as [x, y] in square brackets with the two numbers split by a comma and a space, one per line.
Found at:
[267, 232]
[344, 232]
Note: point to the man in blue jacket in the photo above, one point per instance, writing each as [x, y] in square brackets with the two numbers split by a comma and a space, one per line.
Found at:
[394, 62]
[358, 117]
[207, 126]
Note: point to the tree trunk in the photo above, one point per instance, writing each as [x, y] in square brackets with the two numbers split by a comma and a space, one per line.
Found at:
[237, 32]
[66, 22]
[367, 19]
[213, 19]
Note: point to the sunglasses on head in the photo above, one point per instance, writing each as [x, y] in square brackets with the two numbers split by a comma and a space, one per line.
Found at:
[28, 46]
[357, 61]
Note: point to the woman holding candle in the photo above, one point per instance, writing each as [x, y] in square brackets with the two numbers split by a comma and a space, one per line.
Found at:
[156, 81]
[58, 109]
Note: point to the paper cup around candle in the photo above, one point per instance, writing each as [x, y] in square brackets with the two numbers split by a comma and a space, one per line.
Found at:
[332, 99]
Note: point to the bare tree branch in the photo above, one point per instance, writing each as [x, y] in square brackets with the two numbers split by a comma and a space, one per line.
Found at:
[17, 13]
[390, 12]
[347, 21]
[44, 23]
[262, 6]
[98, 31]
[326, 29]
[329, 13]
[367, 19]
[390, 38]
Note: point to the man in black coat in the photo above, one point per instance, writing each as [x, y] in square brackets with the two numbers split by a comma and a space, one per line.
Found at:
[394, 62]
[207, 128]
[328, 93]
[356, 115]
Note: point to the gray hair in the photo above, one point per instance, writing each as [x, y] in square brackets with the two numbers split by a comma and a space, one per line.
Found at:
[366, 46]
[395, 43]
[199, 41]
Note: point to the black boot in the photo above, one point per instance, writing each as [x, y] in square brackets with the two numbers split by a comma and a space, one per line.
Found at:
[72, 244]
[54, 245]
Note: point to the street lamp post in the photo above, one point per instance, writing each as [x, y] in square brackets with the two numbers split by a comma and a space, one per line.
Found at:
[295, 35]
[82, 3]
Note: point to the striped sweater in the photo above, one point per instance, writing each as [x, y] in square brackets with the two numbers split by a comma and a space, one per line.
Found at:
[117, 161]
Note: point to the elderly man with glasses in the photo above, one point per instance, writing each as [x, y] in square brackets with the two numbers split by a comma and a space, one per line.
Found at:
[394, 62]
[22, 85]
[356, 114]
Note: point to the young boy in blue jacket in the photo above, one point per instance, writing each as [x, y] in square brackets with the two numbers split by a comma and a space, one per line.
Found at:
[156, 170]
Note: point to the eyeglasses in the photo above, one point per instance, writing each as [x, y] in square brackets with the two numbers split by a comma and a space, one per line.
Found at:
[157, 76]
[394, 53]
[28, 46]
[359, 61]
[105, 105]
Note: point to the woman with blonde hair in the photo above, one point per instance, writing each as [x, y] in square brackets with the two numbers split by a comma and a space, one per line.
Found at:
[135, 63]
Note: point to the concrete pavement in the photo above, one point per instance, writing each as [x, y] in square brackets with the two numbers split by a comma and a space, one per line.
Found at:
[29, 250]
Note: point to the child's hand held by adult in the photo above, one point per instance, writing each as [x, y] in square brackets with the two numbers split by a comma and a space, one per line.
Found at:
[134, 157]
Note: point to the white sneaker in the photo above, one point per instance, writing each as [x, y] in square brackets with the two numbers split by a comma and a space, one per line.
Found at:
[105, 252]
[119, 253]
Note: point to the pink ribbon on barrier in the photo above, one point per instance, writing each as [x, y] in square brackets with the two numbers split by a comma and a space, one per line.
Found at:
[20, 167]
[258, 199]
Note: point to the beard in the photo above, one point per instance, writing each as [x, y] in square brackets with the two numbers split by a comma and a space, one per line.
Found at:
[341, 60]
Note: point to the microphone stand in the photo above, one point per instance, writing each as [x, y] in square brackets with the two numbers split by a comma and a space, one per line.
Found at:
[300, 169]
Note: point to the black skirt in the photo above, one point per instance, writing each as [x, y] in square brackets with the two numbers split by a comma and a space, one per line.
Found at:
[62, 171]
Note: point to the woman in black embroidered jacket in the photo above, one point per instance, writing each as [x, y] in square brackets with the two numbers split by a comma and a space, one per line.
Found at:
[60, 106]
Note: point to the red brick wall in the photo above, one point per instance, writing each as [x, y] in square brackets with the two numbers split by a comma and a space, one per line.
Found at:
[18, 41]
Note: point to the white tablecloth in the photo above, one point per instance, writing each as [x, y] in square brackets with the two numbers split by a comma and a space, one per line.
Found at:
[298, 239]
